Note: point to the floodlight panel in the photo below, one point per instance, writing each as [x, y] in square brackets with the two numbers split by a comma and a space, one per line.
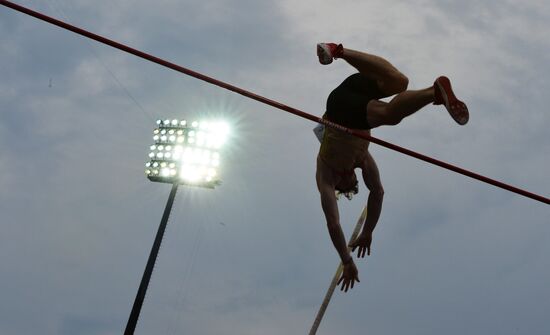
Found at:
[186, 152]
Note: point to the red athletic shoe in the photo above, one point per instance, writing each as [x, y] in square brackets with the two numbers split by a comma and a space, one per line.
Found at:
[329, 51]
[444, 96]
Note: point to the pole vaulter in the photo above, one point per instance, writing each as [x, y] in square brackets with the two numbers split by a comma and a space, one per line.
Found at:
[273, 103]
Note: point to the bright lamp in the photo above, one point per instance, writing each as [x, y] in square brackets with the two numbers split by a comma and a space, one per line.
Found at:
[186, 152]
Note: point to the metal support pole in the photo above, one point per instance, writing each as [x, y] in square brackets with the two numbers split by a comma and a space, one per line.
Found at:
[134, 315]
[336, 277]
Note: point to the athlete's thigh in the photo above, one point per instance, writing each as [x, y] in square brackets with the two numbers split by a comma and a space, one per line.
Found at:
[377, 113]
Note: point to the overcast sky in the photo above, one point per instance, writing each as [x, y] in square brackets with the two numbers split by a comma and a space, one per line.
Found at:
[78, 216]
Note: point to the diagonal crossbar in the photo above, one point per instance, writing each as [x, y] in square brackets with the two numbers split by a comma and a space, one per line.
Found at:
[273, 103]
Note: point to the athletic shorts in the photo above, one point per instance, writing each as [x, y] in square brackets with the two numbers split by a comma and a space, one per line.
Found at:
[347, 103]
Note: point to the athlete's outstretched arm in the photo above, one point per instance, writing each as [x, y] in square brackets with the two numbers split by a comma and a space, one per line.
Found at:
[330, 208]
[349, 274]
[371, 176]
[326, 186]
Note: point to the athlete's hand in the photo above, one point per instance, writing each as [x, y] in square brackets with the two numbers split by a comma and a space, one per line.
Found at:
[362, 244]
[349, 276]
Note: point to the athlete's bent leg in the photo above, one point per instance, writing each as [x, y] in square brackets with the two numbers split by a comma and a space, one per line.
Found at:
[390, 80]
[380, 113]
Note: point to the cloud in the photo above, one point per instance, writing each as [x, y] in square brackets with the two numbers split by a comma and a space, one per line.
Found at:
[78, 216]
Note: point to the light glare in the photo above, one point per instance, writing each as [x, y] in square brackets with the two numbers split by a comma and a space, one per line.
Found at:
[186, 151]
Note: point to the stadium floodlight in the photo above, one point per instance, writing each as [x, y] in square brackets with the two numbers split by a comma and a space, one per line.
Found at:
[186, 153]
[183, 153]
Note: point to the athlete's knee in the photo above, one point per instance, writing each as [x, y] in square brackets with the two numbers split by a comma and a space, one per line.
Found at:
[397, 84]
[402, 82]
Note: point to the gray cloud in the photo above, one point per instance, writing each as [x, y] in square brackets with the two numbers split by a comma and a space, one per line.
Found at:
[78, 217]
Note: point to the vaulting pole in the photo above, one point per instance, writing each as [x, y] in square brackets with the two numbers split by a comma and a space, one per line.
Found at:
[336, 277]
[274, 103]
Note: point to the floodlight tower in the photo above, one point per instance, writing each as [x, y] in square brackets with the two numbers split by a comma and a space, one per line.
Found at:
[183, 153]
